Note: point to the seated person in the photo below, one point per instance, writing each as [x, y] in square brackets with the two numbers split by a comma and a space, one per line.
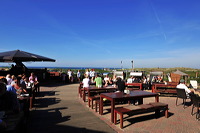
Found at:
[114, 78]
[8, 86]
[98, 80]
[136, 80]
[120, 84]
[20, 88]
[182, 85]
[8, 78]
[8, 100]
[86, 81]
[106, 78]
[130, 80]
[108, 82]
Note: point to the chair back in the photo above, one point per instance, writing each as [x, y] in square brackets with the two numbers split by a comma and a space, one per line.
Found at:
[181, 93]
[195, 100]
[194, 84]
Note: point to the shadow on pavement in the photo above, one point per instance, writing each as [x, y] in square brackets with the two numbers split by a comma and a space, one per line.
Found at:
[146, 118]
[50, 121]
[45, 102]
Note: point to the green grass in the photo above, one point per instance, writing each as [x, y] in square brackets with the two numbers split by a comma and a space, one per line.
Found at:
[190, 71]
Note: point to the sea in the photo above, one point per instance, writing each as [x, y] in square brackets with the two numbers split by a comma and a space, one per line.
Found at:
[80, 68]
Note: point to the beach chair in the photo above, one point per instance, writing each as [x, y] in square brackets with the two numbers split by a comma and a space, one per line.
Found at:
[195, 104]
[194, 84]
[182, 95]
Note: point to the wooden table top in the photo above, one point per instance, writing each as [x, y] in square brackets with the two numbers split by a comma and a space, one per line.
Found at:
[135, 93]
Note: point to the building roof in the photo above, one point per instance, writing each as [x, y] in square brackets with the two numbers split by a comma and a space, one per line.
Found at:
[180, 73]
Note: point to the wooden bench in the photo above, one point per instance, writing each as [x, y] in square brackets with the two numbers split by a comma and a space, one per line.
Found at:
[162, 88]
[143, 108]
[97, 103]
[91, 100]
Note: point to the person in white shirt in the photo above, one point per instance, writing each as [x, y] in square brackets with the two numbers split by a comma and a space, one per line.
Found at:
[130, 80]
[87, 72]
[92, 74]
[78, 75]
[8, 78]
[69, 73]
[86, 81]
[181, 85]
[106, 78]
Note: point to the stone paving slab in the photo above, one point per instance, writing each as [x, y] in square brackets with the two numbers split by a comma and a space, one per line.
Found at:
[180, 120]
[59, 109]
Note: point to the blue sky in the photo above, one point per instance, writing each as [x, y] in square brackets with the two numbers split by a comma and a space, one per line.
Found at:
[102, 33]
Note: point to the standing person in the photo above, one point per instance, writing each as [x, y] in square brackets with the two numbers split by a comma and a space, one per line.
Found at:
[27, 83]
[78, 75]
[144, 83]
[13, 79]
[34, 80]
[98, 80]
[86, 81]
[28, 86]
[69, 73]
[87, 72]
[120, 84]
[92, 74]
[63, 75]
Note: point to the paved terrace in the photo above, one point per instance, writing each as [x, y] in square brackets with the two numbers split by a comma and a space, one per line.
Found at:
[59, 109]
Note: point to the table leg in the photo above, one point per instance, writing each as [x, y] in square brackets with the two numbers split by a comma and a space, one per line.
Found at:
[83, 94]
[157, 98]
[31, 102]
[153, 88]
[112, 110]
[101, 106]
[88, 92]
[140, 101]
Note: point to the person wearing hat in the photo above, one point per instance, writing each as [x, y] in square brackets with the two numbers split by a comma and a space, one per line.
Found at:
[182, 85]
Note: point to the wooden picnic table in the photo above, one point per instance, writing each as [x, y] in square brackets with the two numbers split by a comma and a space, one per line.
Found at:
[97, 90]
[120, 96]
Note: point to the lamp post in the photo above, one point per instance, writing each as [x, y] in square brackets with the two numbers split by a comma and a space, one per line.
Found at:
[132, 64]
[121, 65]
